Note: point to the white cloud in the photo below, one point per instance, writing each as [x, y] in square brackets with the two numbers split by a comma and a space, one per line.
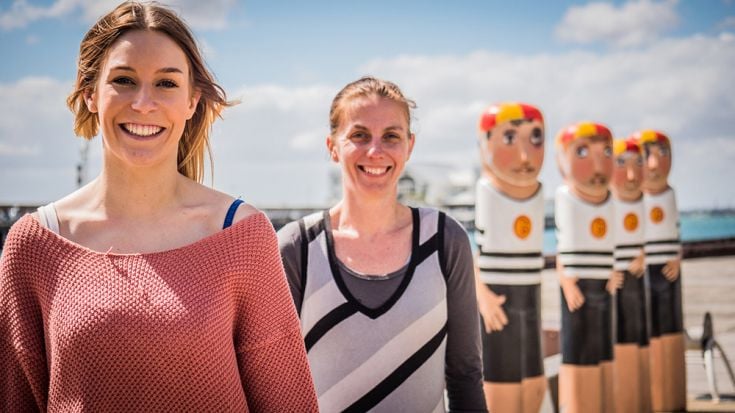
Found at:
[204, 15]
[270, 148]
[727, 23]
[19, 150]
[660, 86]
[21, 13]
[632, 24]
[38, 150]
[199, 14]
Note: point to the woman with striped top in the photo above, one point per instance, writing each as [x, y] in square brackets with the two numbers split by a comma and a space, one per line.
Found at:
[385, 292]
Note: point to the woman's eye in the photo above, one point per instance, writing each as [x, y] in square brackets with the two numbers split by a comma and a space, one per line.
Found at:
[607, 151]
[508, 137]
[620, 162]
[582, 152]
[664, 151]
[124, 81]
[392, 137]
[537, 137]
[168, 84]
[639, 161]
[359, 136]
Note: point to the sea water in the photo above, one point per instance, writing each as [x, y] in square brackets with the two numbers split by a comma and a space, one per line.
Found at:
[694, 227]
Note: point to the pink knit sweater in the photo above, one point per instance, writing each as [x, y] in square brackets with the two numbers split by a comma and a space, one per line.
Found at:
[206, 327]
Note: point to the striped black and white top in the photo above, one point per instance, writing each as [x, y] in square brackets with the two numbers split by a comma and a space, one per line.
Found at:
[629, 232]
[662, 227]
[509, 234]
[584, 233]
[400, 354]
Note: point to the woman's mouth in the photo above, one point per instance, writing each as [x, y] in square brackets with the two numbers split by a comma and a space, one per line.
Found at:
[374, 170]
[141, 131]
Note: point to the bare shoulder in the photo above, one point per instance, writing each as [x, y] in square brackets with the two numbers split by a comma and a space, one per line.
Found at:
[220, 203]
[244, 211]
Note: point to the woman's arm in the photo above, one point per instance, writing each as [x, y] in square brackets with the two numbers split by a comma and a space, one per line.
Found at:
[464, 347]
[24, 378]
[273, 366]
[289, 244]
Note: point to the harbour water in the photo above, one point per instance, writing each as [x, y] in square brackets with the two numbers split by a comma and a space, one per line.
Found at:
[694, 227]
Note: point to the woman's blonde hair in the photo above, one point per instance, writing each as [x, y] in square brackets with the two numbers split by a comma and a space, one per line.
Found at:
[365, 87]
[134, 15]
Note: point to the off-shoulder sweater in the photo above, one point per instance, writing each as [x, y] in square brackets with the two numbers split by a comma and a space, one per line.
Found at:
[206, 327]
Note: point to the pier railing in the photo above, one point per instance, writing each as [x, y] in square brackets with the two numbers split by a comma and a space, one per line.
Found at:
[464, 213]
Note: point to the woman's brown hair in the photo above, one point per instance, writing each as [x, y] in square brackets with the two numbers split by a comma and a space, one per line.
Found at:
[365, 87]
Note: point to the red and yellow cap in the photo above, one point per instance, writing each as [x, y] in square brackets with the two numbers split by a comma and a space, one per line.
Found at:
[505, 112]
[650, 136]
[621, 146]
[582, 130]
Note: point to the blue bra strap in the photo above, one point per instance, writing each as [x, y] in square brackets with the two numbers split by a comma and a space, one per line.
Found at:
[231, 212]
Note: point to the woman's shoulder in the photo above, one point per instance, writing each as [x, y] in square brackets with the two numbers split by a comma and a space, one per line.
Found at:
[309, 226]
[245, 211]
[290, 233]
[452, 227]
[25, 236]
[220, 204]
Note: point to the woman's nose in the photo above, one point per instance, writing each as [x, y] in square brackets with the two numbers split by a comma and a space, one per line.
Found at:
[143, 101]
[376, 147]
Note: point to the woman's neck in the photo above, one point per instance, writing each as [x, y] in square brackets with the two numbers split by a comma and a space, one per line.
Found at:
[368, 217]
[137, 192]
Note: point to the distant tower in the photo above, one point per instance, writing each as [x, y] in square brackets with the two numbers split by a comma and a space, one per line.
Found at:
[82, 165]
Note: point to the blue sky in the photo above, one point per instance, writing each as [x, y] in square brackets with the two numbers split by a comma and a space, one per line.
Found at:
[634, 64]
[296, 42]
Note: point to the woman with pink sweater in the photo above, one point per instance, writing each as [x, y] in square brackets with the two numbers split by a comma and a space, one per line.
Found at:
[145, 290]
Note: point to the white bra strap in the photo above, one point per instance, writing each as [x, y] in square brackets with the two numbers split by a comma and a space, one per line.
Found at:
[48, 217]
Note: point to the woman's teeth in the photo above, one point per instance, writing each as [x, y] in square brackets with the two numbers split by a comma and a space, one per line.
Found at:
[374, 171]
[141, 130]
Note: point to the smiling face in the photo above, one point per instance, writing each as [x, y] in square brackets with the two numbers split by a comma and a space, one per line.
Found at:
[656, 167]
[513, 152]
[587, 165]
[143, 98]
[372, 144]
[627, 176]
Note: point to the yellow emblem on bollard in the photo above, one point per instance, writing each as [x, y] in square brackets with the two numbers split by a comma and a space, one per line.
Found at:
[630, 222]
[657, 215]
[598, 227]
[522, 226]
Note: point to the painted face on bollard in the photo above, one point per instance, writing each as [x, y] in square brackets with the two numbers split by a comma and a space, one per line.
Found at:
[656, 148]
[585, 158]
[511, 137]
[628, 169]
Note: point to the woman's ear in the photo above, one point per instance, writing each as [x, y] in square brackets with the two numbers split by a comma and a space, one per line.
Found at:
[193, 102]
[411, 142]
[90, 100]
[332, 150]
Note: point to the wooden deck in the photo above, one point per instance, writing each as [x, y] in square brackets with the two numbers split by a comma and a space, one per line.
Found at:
[708, 284]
